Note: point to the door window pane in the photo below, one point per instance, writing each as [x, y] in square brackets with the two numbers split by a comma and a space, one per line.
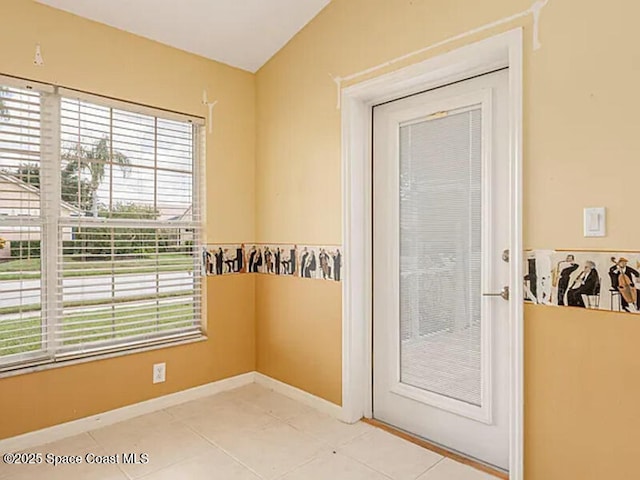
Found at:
[440, 252]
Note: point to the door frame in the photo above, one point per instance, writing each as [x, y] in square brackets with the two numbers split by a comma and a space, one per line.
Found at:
[499, 51]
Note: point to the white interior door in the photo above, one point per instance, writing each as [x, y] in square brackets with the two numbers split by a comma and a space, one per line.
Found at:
[440, 226]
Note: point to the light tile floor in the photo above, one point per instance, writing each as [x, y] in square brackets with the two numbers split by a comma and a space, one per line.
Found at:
[250, 433]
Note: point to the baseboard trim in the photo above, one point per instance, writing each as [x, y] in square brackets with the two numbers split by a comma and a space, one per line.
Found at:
[83, 425]
[301, 396]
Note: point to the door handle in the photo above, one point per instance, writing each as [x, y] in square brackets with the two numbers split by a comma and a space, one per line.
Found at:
[504, 293]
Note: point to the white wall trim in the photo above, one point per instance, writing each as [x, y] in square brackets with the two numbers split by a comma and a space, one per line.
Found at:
[503, 50]
[535, 9]
[83, 425]
[516, 284]
[299, 395]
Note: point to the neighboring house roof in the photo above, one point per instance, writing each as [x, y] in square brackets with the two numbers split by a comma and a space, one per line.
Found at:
[183, 215]
[7, 177]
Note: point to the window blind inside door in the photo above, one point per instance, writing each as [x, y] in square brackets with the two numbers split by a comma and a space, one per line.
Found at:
[440, 252]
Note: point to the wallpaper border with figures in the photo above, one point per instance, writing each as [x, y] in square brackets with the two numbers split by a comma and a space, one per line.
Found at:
[320, 262]
[594, 279]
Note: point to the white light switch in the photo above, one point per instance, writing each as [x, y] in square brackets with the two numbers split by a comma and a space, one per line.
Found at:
[594, 222]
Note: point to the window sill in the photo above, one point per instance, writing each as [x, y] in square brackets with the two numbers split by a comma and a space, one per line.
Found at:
[102, 356]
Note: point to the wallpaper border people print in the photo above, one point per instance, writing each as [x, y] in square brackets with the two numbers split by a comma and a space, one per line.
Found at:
[601, 280]
[321, 262]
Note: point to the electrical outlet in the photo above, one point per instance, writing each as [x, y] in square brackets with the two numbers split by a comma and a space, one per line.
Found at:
[159, 372]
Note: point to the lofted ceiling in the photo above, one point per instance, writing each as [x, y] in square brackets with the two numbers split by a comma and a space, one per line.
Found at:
[241, 33]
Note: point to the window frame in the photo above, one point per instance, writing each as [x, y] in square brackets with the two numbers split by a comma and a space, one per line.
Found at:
[52, 355]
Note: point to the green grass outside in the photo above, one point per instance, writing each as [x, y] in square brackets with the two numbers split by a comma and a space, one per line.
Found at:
[99, 301]
[11, 269]
[106, 324]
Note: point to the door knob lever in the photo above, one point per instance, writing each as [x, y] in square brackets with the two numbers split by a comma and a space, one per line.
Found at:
[504, 294]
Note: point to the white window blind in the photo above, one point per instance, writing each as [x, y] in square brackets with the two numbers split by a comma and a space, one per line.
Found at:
[102, 247]
[440, 254]
[21, 227]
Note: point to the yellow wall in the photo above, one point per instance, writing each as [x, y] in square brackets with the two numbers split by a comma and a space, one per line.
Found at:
[85, 55]
[580, 149]
[313, 364]
[582, 394]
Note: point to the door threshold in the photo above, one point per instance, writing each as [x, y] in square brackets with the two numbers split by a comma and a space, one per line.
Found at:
[438, 449]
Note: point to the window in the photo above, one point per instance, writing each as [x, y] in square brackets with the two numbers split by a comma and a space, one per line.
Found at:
[99, 225]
